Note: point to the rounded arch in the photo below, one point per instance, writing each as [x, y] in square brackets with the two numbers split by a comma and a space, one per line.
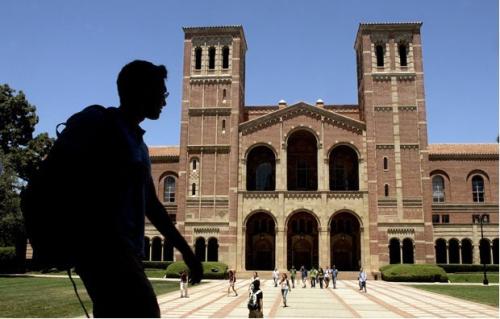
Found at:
[213, 249]
[261, 168]
[479, 172]
[485, 251]
[302, 210]
[438, 188]
[454, 251]
[253, 146]
[441, 251]
[260, 241]
[343, 162]
[466, 250]
[194, 163]
[394, 251]
[302, 160]
[302, 233]
[147, 251]
[358, 217]
[347, 144]
[156, 249]
[495, 250]
[258, 211]
[199, 248]
[440, 172]
[345, 240]
[168, 173]
[408, 251]
[301, 128]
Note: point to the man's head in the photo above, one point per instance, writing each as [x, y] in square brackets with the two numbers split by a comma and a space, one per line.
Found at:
[141, 87]
[256, 284]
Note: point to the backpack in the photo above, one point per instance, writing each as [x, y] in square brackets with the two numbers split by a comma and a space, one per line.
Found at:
[50, 201]
[253, 303]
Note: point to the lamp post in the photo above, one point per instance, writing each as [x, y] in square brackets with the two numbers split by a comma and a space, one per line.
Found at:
[481, 220]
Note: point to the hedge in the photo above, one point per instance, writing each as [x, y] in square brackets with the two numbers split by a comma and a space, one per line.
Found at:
[8, 261]
[453, 268]
[413, 273]
[156, 264]
[211, 270]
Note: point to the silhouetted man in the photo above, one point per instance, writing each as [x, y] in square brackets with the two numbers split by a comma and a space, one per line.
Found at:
[112, 174]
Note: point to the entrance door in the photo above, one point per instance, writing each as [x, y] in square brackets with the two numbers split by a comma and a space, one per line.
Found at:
[345, 242]
[302, 241]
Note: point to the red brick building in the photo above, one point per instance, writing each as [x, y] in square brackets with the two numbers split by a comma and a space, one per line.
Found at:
[259, 187]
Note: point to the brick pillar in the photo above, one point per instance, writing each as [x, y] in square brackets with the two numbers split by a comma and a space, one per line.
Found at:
[323, 247]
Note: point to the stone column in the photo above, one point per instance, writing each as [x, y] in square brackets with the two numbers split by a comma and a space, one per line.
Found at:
[151, 250]
[162, 249]
[400, 252]
[280, 248]
[323, 247]
[491, 253]
[476, 254]
[447, 253]
[460, 253]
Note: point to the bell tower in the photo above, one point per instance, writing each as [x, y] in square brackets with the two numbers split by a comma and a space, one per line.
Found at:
[212, 107]
[392, 103]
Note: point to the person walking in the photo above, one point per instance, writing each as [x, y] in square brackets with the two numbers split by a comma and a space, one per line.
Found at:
[321, 276]
[285, 288]
[335, 273]
[327, 276]
[255, 301]
[276, 276]
[232, 281]
[362, 279]
[293, 273]
[303, 274]
[312, 276]
[184, 284]
[254, 277]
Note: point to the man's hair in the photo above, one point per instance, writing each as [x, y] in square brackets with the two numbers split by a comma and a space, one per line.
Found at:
[256, 284]
[136, 77]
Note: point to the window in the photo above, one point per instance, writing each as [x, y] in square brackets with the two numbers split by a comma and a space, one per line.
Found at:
[476, 219]
[435, 219]
[197, 57]
[223, 126]
[194, 164]
[403, 55]
[437, 189]
[169, 189]
[477, 189]
[379, 51]
[386, 190]
[445, 219]
[224, 94]
[211, 58]
[386, 163]
[193, 189]
[225, 57]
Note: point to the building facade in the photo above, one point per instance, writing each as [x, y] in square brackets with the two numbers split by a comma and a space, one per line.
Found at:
[259, 187]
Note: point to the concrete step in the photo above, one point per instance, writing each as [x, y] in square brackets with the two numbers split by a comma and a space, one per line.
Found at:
[343, 275]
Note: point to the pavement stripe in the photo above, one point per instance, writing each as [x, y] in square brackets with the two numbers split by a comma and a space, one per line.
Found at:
[351, 309]
[380, 302]
[227, 309]
[276, 304]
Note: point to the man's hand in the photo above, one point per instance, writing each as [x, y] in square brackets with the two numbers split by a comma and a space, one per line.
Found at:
[195, 268]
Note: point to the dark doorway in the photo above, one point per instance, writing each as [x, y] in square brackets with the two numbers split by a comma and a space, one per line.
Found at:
[466, 251]
[454, 248]
[261, 166]
[408, 256]
[441, 252]
[302, 241]
[302, 161]
[260, 242]
[394, 251]
[343, 165]
[345, 245]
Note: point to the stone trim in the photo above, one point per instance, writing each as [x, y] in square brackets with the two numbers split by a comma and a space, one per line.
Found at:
[407, 108]
[212, 79]
[383, 108]
[387, 202]
[454, 157]
[385, 146]
[406, 76]
[210, 111]
[464, 207]
[409, 146]
[209, 148]
[401, 231]
[206, 230]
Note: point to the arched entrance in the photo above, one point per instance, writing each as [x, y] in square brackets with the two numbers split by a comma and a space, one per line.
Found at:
[302, 161]
[260, 242]
[302, 241]
[345, 242]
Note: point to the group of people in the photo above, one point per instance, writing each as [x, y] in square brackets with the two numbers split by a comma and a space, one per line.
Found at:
[319, 276]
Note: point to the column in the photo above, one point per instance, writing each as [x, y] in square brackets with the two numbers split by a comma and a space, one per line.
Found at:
[491, 253]
[477, 256]
[400, 252]
[206, 252]
[162, 249]
[280, 244]
[460, 253]
[447, 253]
[323, 247]
[151, 250]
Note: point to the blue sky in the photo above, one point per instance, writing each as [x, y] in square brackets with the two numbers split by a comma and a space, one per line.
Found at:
[66, 54]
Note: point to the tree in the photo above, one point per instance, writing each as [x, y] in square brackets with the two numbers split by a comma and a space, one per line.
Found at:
[20, 156]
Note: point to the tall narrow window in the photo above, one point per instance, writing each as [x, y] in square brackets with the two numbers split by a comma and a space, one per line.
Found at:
[197, 56]
[477, 189]
[225, 57]
[211, 58]
[169, 189]
[386, 190]
[224, 94]
[403, 55]
[437, 189]
[194, 164]
[379, 52]
[193, 189]
[386, 163]
[223, 126]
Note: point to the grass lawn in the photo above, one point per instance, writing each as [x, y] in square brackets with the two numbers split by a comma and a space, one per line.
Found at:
[51, 297]
[473, 277]
[482, 294]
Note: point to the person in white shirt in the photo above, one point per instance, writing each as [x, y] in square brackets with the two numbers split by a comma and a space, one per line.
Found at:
[362, 279]
[276, 275]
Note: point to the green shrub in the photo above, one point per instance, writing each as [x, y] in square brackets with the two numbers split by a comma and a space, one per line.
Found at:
[211, 270]
[454, 268]
[156, 264]
[413, 273]
[8, 261]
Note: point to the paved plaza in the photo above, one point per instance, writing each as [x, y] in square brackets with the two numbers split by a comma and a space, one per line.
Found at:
[383, 300]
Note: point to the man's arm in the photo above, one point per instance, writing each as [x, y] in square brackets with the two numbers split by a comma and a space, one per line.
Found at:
[159, 218]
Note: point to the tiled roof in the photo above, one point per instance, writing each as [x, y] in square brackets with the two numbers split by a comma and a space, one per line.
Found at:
[163, 151]
[463, 149]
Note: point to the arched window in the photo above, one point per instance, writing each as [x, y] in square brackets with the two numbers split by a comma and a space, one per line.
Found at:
[261, 166]
[169, 189]
[213, 250]
[477, 189]
[403, 54]
[484, 251]
[193, 189]
[386, 190]
[225, 57]
[408, 251]
[466, 251]
[224, 94]
[199, 249]
[211, 58]
[394, 251]
[453, 248]
[194, 164]
[379, 52]
[197, 58]
[343, 169]
[386, 163]
[438, 189]
[441, 252]
[223, 126]
[168, 251]
[156, 249]
[147, 255]
[302, 161]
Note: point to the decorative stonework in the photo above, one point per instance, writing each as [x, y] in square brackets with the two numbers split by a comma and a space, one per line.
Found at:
[379, 37]
[206, 230]
[407, 232]
[302, 195]
[383, 108]
[345, 195]
[385, 146]
[403, 37]
[407, 108]
[409, 146]
[208, 148]
[417, 202]
[208, 41]
[400, 76]
[387, 202]
[257, 194]
[210, 79]
[226, 111]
